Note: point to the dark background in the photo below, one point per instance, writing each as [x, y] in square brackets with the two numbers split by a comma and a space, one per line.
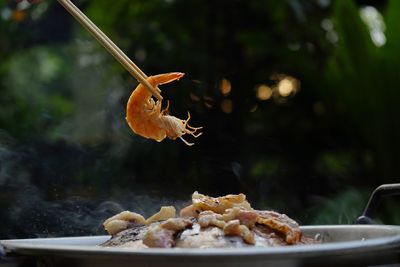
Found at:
[299, 101]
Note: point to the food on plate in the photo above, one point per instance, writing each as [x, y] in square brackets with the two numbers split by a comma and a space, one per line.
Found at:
[122, 221]
[145, 117]
[209, 222]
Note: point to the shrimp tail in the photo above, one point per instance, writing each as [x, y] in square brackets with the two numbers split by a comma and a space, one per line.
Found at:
[166, 78]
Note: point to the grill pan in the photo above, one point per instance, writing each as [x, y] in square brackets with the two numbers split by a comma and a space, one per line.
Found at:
[344, 245]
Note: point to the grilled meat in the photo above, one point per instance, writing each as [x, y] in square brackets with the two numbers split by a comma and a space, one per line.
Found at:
[208, 222]
[163, 235]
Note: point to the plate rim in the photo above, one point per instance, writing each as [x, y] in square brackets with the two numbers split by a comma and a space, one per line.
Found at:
[34, 246]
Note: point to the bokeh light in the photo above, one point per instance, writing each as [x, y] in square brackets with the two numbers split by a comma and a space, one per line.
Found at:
[227, 106]
[287, 86]
[225, 87]
[264, 92]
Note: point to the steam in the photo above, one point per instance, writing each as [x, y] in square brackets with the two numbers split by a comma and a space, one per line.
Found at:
[73, 216]
[33, 204]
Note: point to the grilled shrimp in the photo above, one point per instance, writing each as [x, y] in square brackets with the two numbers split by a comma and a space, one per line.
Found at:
[145, 117]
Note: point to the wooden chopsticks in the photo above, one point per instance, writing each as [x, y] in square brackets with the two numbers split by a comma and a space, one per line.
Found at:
[114, 50]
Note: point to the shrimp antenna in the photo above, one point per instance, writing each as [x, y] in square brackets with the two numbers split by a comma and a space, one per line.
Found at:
[165, 110]
[186, 142]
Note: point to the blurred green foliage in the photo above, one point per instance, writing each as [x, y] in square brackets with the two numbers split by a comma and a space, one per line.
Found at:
[315, 153]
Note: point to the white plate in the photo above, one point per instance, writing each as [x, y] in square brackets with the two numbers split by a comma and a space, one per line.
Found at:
[350, 244]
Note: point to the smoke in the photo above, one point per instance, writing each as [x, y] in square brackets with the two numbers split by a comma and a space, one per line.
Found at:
[39, 198]
[74, 216]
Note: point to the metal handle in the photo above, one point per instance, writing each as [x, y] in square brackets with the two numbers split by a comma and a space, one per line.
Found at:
[9, 260]
[375, 200]
[1, 252]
